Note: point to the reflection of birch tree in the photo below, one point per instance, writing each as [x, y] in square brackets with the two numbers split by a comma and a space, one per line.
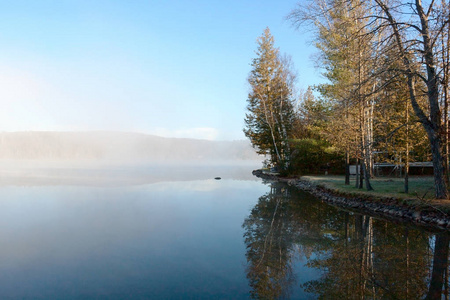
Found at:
[269, 241]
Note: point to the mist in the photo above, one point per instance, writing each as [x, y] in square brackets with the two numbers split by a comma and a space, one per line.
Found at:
[118, 147]
[110, 158]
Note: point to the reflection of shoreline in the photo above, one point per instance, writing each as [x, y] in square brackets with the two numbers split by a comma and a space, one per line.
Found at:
[113, 175]
[357, 256]
[384, 207]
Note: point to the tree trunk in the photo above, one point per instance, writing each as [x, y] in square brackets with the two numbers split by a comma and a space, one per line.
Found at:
[270, 124]
[407, 150]
[361, 174]
[438, 165]
[446, 149]
[407, 175]
[446, 61]
[347, 167]
[434, 128]
[367, 177]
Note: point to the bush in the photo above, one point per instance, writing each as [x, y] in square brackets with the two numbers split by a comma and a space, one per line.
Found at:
[313, 156]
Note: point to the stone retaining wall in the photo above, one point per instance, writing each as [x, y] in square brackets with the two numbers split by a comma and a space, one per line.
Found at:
[384, 207]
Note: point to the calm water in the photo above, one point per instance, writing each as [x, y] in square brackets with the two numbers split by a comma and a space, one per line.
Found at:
[193, 237]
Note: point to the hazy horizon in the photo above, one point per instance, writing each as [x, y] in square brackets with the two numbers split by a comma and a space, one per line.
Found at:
[113, 146]
[110, 131]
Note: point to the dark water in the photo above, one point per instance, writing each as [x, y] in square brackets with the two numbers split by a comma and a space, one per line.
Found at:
[205, 239]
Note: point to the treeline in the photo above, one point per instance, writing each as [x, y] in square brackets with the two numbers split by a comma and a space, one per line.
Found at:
[386, 97]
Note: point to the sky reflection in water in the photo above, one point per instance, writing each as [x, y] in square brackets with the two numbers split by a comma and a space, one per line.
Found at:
[164, 239]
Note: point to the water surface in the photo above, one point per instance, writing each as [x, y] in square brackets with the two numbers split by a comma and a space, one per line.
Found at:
[198, 238]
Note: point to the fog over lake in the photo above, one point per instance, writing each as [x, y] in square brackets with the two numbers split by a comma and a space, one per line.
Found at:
[118, 147]
[109, 158]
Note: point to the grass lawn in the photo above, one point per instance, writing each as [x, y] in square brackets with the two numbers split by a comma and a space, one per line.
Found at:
[383, 186]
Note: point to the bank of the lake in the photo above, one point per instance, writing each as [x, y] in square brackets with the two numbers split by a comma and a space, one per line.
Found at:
[420, 211]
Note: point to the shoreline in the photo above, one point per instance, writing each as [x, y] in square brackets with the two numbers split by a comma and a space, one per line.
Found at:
[385, 207]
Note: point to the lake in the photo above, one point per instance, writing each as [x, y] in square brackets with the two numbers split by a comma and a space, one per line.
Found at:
[154, 232]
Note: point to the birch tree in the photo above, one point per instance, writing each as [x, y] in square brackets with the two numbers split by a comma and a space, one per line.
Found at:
[269, 120]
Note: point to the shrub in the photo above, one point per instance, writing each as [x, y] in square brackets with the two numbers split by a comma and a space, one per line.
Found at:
[313, 156]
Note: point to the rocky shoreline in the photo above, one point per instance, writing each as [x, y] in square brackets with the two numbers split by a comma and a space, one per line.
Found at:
[384, 207]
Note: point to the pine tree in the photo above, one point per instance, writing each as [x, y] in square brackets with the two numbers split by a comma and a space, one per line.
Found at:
[268, 123]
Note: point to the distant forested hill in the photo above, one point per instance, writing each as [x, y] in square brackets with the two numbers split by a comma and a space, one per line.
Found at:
[117, 146]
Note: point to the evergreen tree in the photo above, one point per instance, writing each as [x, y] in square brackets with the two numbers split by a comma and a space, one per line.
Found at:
[268, 123]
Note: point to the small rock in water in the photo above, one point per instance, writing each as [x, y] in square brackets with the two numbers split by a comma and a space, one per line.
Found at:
[217, 178]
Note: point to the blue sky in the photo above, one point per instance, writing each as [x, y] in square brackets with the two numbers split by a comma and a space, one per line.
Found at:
[172, 68]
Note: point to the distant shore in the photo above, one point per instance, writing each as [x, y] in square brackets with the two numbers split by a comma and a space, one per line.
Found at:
[396, 209]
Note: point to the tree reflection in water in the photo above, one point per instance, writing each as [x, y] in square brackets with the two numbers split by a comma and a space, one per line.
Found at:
[269, 243]
[359, 257]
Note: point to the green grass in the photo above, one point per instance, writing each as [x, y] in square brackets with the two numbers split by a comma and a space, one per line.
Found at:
[419, 187]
